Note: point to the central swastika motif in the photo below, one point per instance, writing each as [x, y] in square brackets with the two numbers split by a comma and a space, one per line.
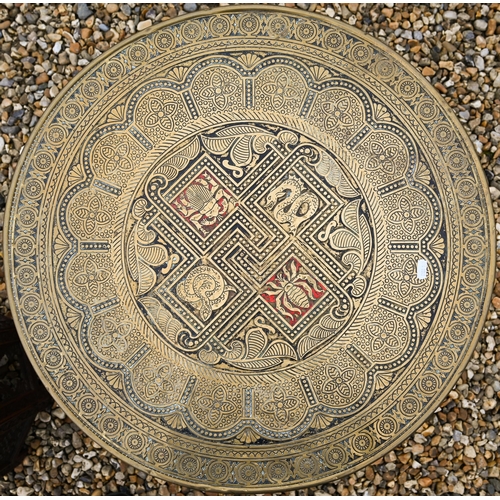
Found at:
[255, 214]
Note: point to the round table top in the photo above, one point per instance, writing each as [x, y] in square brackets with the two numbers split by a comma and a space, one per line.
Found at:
[249, 249]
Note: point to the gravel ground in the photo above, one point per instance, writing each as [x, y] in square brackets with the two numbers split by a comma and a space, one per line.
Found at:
[457, 47]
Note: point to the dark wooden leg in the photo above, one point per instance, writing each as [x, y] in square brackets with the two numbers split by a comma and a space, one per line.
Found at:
[22, 396]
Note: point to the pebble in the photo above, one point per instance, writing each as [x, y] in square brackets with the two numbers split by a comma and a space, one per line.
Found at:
[107, 470]
[450, 15]
[83, 11]
[43, 415]
[76, 440]
[479, 62]
[480, 24]
[144, 24]
[459, 488]
[470, 452]
[125, 8]
[190, 7]
[59, 413]
[57, 48]
[425, 482]
[489, 404]
[417, 449]
[23, 491]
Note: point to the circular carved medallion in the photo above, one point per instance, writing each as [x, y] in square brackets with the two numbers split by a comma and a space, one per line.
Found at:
[249, 250]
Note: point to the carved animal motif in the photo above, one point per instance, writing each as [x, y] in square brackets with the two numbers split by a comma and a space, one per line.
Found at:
[293, 291]
[292, 204]
[205, 204]
[205, 290]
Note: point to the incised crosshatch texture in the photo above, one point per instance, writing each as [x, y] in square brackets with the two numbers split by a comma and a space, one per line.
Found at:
[249, 250]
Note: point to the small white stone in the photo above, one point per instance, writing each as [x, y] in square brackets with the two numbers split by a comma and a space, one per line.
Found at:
[459, 488]
[24, 491]
[450, 15]
[45, 101]
[470, 452]
[87, 464]
[119, 476]
[418, 438]
[489, 404]
[59, 413]
[494, 193]
[144, 24]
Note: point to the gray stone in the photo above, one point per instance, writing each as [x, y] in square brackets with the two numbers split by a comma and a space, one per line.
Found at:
[479, 63]
[2, 143]
[190, 7]
[66, 469]
[494, 193]
[10, 130]
[83, 11]
[473, 86]
[76, 440]
[87, 464]
[31, 17]
[480, 24]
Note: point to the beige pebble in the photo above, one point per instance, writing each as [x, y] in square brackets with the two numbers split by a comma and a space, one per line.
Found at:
[144, 24]
[417, 449]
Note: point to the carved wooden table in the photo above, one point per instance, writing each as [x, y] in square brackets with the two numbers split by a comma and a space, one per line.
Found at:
[249, 249]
